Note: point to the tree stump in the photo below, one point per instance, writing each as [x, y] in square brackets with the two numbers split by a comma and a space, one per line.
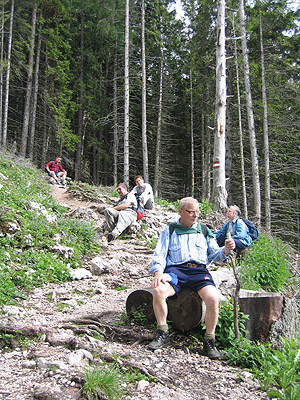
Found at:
[184, 311]
[263, 309]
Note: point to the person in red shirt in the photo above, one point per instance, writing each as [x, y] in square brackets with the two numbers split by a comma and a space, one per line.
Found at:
[55, 170]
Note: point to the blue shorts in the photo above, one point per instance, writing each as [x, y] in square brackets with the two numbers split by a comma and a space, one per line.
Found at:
[195, 278]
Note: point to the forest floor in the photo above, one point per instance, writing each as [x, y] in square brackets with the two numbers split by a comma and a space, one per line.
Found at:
[47, 368]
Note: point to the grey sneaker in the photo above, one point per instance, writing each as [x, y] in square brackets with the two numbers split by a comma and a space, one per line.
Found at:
[210, 350]
[162, 338]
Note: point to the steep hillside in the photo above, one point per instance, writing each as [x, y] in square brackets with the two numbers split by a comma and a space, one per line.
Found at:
[56, 330]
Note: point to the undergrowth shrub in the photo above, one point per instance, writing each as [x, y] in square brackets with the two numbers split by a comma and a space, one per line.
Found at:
[278, 371]
[265, 266]
[225, 334]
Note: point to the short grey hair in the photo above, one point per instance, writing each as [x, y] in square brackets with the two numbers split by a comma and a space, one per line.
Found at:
[187, 200]
[236, 209]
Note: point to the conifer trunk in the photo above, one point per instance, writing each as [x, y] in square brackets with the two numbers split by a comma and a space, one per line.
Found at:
[26, 116]
[219, 189]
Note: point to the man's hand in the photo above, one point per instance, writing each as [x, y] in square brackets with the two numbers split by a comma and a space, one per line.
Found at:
[229, 245]
[158, 277]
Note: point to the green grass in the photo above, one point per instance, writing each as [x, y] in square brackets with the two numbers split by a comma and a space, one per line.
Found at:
[27, 259]
[109, 381]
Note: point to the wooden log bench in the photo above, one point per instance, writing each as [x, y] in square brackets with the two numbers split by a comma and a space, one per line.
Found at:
[184, 311]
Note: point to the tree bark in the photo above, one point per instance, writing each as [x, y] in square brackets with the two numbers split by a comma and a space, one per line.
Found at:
[126, 96]
[159, 126]
[251, 127]
[5, 119]
[115, 117]
[26, 117]
[77, 172]
[266, 135]
[192, 137]
[45, 124]
[144, 107]
[35, 96]
[219, 189]
[1, 69]
[243, 178]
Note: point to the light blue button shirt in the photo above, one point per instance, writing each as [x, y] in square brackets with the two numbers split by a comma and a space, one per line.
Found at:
[239, 231]
[173, 249]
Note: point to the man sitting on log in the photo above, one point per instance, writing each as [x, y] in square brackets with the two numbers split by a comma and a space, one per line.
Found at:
[184, 249]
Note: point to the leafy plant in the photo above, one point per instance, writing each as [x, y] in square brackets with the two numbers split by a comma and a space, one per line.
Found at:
[265, 266]
[282, 371]
[173, 206]
[5, 339]
[138, 318]
[246, 354]
[225, 335]
[278, 370]
[205, 207]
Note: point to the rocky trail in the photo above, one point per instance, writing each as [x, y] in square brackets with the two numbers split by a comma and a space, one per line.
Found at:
[73, 324]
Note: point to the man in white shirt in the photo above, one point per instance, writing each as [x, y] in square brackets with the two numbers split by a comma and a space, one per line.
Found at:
[123, 214]
[143, 190]
[185, 251]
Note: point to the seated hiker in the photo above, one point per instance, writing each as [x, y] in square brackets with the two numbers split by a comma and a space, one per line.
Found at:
[55, 170]
[238, 229]
[144, 190]
[180, 259]
[123, 214]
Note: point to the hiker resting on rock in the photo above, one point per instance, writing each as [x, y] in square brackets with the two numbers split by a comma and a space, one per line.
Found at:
[237, 228]
[144, 190]
[55, 170]
[123, 214]
[184, 253]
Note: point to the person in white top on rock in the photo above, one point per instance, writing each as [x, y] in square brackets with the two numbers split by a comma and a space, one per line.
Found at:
[143, 190]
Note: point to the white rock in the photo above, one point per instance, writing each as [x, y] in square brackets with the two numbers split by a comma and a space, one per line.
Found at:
[29, 364]
[142, 385]
[99, 266]
[14, 310]
[246, 374]
[80, 273]
[64, 251]
[79, 357]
